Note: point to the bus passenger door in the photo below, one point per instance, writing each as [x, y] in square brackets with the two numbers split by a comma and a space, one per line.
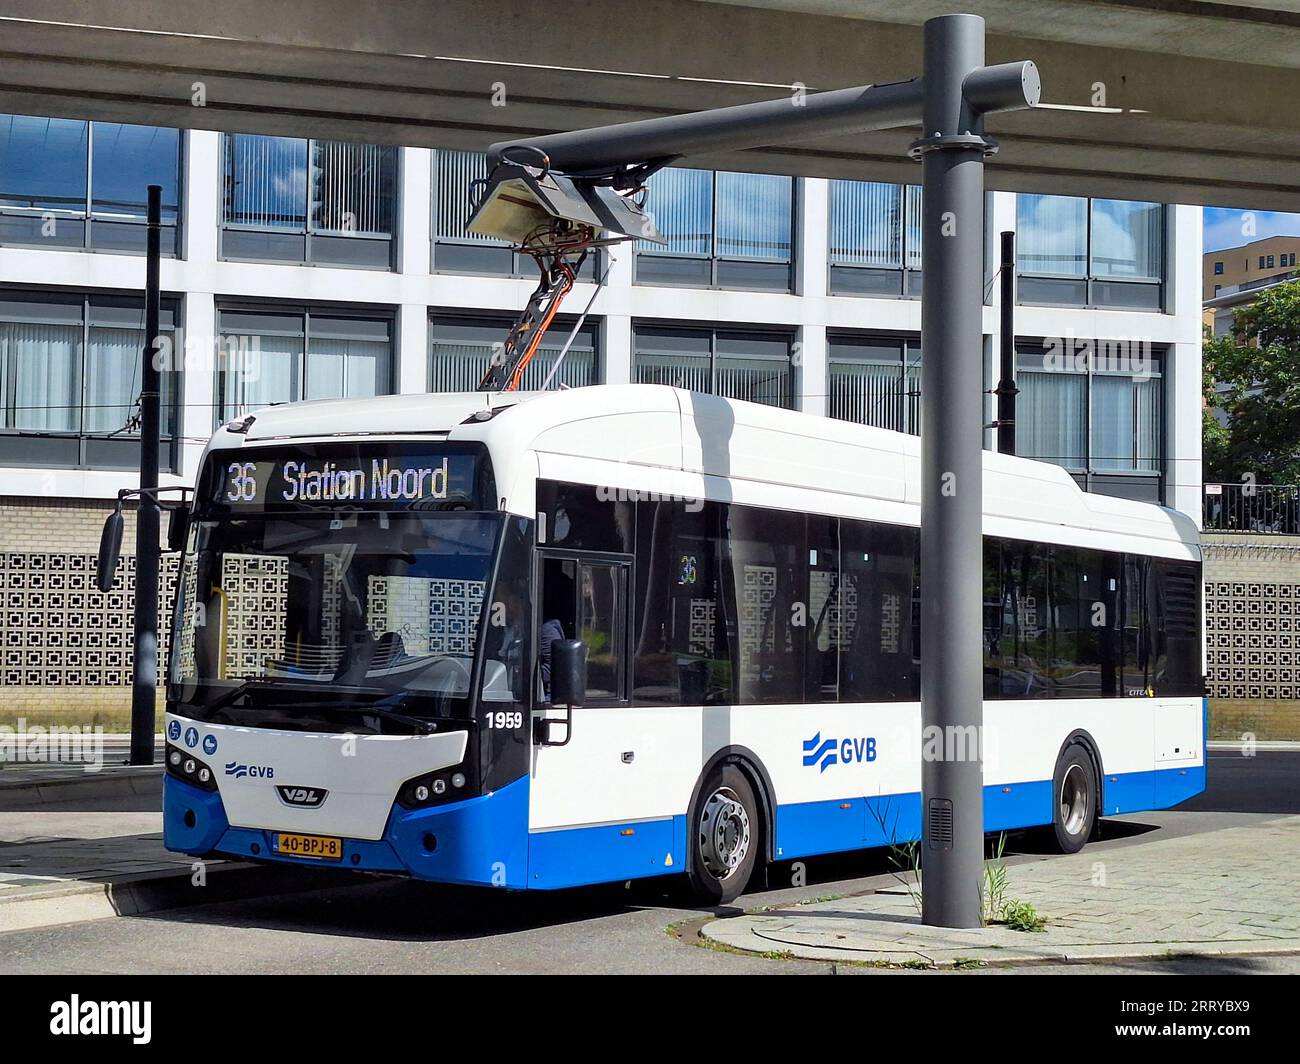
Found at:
[588, 785]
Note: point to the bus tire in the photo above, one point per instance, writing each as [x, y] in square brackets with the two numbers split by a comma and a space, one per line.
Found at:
[725, 836]
[1074, 799]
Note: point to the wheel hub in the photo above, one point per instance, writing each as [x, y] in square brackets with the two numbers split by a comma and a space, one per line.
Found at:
[1075, 800]
[724, 833]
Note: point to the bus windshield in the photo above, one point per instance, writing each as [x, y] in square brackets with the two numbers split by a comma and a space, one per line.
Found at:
[312, 619]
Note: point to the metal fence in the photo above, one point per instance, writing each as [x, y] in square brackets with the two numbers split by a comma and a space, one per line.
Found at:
[1259, 509]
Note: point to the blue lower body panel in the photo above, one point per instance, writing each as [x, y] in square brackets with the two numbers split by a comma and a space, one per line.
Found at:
[606, 853]
[485, 841]
[810, 828]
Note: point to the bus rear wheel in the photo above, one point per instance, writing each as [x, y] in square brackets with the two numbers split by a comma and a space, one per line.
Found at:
[1074, 799]
[725, 837]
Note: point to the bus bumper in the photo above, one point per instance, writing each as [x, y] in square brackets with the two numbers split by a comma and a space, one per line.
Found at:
[482, 841]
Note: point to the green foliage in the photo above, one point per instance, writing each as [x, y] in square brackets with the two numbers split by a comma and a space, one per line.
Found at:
[996, 880]
[905, 857]
[1022, 916]
[1257, 368]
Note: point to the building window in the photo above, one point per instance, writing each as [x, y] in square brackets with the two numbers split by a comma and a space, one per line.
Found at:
[292, 353]
[455, 249]
[724, 230]
[70, 376]
[1098, 412]
[1269, 264]
[875, 239]
[1216, 288]
[1218, 269]
[460, 349]
[308, 201]
[1261, 262]
[750, 365]
[1096, 253]
[69, 184]
[875, 381]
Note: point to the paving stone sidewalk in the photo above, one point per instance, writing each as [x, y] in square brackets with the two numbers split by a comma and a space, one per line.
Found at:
[1233, 891]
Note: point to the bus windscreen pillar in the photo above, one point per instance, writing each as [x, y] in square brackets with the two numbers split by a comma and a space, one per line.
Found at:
[952, 149]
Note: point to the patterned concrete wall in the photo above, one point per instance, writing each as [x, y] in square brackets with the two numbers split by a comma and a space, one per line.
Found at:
[65, 647]
[1252, 635]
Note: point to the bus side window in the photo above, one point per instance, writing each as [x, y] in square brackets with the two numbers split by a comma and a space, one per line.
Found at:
[602, 625]
[557, 619]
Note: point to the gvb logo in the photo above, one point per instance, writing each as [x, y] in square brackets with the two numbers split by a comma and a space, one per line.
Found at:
[241, 771]
[826, 752]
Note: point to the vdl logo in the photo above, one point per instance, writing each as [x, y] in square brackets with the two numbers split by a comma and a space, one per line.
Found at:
[826, 752]
[240, 770]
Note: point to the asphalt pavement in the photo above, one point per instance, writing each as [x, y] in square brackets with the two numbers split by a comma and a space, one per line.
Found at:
[398, 926]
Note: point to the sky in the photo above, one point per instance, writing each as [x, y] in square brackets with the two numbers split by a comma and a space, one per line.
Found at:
[1231, 228]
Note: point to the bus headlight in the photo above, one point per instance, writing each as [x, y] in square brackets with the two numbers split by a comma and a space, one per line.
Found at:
[449, 784]
[190, 769]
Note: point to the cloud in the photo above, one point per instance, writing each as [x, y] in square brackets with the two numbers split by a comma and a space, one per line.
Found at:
[1223, 226]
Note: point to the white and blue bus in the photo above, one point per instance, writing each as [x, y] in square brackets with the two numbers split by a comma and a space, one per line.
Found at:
[377, 596]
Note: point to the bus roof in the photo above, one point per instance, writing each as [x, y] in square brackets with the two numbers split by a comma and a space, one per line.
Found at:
[654, 427]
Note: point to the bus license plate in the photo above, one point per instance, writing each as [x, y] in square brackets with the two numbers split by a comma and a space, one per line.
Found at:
[318, 847]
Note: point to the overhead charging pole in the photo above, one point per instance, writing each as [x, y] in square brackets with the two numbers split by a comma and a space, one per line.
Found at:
[952, 149]
[949, 102]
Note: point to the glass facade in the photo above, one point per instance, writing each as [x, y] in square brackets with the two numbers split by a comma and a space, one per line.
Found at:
[875, 239]
[310, 201]
[70, 377]
[1098, 414]
[1079, 252]
[749, 365]
[67, 184]
[875, 381]
[460, 349]
[292, 353]
[724, 230]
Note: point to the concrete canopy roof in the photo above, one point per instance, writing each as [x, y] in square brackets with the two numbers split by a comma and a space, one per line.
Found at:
[1200, 98]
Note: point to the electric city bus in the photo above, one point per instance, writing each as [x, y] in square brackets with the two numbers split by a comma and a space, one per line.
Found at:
[543, 640]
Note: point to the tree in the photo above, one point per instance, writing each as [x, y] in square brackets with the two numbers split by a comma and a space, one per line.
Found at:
[1257, 372]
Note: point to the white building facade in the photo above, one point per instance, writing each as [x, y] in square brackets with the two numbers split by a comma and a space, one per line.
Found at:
[303, 269]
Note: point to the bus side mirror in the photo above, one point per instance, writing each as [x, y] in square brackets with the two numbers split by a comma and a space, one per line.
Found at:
[568, 688]
[110, 550]
[178, 528]
[568, 672]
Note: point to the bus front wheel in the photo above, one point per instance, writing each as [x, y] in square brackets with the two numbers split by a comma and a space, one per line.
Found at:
[725, 837]
[1074, 799]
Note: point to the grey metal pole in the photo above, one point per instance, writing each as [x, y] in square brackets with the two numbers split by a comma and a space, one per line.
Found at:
[1006, 389]
[144, 675]
[952, 150]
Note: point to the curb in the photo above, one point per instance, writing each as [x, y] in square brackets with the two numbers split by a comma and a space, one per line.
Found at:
[143, 780]
[947, 957]
[155, 892]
